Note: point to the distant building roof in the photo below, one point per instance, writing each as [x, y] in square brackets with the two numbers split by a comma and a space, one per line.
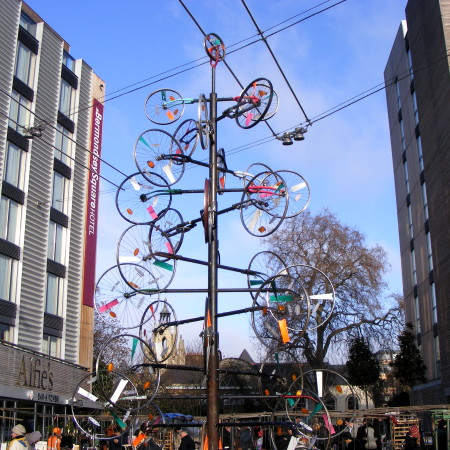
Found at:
[246, 357]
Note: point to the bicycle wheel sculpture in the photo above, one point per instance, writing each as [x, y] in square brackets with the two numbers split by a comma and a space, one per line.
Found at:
[263, 266]
[139, 201]
[214, 47]
[256, 99]
[171, 225]
[157, 151]
[285, 311]
[135, 247]
[264, 204]
[154, 331]
[330, 387]
[187, 134]
[298, 191]
[164, 106]
[119, 300]
[203, 122]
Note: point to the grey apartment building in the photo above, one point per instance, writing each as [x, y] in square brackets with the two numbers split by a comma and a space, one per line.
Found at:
[50, 141]
[418, 100]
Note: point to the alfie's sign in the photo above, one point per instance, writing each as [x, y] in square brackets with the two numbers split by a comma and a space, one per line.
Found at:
[34, 373]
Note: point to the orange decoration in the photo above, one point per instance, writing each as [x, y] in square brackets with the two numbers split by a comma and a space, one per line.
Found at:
[147, 385]
[151, 164]
[112, 314]
[175, 112]
[138, 439]
[129, 211]
[110, 367]
[133, 285]
[266, 392]
[294, 377]
[172, 98]
[262, 93]
[136, 251]
[339, 389]
[150, 417]
[281, 308]
[282, 324]
[305, 411]
[264, 311]
[170, 115]
[261, 229]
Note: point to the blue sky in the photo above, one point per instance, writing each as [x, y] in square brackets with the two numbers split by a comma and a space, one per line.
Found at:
[328, 59]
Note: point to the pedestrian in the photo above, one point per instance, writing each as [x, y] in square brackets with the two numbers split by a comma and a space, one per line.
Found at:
[116, 443]
[54, 440]
[245, 438]
[442, 435]
[186, 443]
[18, 440]
[226, 438]
[33, 438]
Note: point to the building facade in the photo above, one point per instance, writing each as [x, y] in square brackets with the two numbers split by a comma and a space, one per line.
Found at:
[418, 101]
[50, 141]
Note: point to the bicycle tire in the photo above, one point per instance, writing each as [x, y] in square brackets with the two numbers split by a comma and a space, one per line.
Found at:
[157, 110]
[203, 122]
[187, 134]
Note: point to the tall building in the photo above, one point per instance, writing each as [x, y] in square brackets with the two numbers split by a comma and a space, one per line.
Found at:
[418, 100]
[50, 140]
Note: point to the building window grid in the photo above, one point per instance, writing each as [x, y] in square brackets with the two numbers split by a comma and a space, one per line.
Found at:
[56, 242]
[6, 332]
[14, 165]
[399, 100]
[19, 112]
[413, 267]
[410, 65]
[51, 345]
[425, 201]
[405, 170]
[10, 220]
[27, 23]
[419, 152]
[417, 314]
[416, 111]
[25, 64]
[68, 61]
[410, 222]
[63, 144]
[53, 297]
[59, 194]
[8, 278]
[66, 98]
[402, 131]
[429, 252]
[433, 302]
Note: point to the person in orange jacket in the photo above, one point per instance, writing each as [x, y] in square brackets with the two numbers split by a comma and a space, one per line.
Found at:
[54, 441]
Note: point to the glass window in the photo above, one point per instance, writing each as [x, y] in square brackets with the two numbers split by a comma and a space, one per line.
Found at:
[19, 112]
[437, 355]
[433, 302]
[402, 131]
[8, 278]
[28, 23]
[410, 222]
[51, 345]
[65, 99]
[9, 220]
[53, 300]
[68, 61]
[417, 312]
[59, 192]
[405, 169]
[416, 112]
[55, 249]
[411, 71]
[413, 267]
[63, 144]
[419, 151]
[352, 402]
[25, 64]
[14, 165]
[430, 252]
[6, 332]
[399, 101]
[425, 201]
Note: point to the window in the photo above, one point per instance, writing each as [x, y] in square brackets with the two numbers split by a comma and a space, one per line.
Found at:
[65, 99]
[437, 356]
[402, 131]
[19, 112]
[6, 333]
[416, 112]
[63, 144]
[25, 64]
[53, 300]
[413, 267]
[399, 101]
[410, 222]
[425, 201]
[433, 302]
[411, 71]
[9, 220]
[59, 192]
[417, 313]
[405, 169]
[352, 402]
[8, 278]
[14, 165]
[419, 151]
[429, 252]
[56, 247]
[28, 23]
[51, 345]
[68, 61]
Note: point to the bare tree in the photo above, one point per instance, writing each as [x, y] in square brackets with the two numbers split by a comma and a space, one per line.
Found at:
[362, 307]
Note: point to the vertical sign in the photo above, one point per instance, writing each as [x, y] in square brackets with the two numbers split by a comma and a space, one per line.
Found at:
[90, 241]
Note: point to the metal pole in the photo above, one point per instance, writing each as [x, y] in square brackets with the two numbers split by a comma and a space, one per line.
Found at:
[212, 402]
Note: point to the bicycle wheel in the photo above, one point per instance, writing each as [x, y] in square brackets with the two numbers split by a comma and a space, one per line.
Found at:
[187, 134]
[131, 364]
[203, 122]
[221, 168]
[320, 290]
[163, 340]
[273, 108]
[139, 202]
[157, 151]
[214, 47]
[164, 106]
[264, 204]
[92, 412]
[117, 298]
[256, 99]
[169, 225]
[284, 314]
[298, 190]
[135, 246]
[263, 266]
[333, 389]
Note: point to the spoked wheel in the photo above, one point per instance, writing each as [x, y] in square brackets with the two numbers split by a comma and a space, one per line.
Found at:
[130, 365]
[157, 151]
[187, 134]
[252, 170]
[221, 169]
[263, 266]
[117, 297]
[214, 47]
[169, 225]
[162, 339]
[164, 106]
[139, 201]
[298, 190]
[275, 375]
[203, 122]
[257, 98]
[264, 204]
[93, 413]
[284, 314]
[320, 291]
[273, 108]
[135, 246]
[333, 389]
